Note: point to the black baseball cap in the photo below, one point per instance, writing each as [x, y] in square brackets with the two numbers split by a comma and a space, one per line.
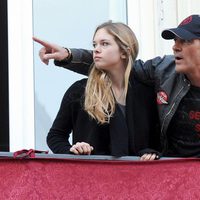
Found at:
[188, 29]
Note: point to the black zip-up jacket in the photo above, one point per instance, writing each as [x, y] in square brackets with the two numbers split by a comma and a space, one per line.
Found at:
[170, 86]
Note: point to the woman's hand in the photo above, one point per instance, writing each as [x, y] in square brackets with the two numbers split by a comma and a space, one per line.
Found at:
[149, 156]
[51, 51]
[81, 148]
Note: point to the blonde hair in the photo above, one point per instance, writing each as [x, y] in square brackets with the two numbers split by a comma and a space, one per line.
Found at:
[99, 100]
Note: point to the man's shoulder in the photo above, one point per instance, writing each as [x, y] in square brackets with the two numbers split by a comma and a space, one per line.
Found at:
[164, 61]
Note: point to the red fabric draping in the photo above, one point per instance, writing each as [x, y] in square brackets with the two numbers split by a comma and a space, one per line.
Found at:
[59, 179]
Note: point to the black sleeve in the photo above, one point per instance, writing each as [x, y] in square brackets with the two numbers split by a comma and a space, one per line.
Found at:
[144, 71]
[58, 136]
[147, 72]
[80, 61]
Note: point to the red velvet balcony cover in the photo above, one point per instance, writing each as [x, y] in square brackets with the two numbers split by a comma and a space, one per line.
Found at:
[57, 179]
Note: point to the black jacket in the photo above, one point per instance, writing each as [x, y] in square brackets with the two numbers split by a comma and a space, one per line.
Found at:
[108, 139]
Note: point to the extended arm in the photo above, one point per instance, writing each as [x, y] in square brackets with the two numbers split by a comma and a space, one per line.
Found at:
[80, 61]
[77, 60]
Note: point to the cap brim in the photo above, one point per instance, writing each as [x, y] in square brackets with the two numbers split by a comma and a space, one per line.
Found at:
[177, 32]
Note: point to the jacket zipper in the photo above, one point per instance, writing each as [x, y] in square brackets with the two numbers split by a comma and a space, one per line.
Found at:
[162, 127]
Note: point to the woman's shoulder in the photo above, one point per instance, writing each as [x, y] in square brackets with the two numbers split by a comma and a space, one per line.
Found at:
[80, 84]
[76, 90]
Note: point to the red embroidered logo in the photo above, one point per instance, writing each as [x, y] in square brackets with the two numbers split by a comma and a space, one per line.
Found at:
[186, 21]
[162, 98]
[195, 116]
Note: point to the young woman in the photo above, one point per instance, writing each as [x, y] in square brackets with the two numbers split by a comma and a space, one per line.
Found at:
[110, 113]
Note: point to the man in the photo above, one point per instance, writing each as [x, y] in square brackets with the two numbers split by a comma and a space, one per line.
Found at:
[176, 80]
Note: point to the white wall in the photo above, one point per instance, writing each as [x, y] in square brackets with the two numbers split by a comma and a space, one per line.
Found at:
[21, 79]
[149, 18]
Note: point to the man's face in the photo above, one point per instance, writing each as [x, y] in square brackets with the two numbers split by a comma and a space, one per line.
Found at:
[187, 56]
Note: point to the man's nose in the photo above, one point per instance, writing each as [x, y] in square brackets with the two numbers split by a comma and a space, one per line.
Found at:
[177, 45]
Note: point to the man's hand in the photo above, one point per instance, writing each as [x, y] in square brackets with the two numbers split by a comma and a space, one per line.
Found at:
[51, 51]
[81, 148]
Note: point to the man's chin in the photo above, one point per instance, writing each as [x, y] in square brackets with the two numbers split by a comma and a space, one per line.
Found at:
[180, 68]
